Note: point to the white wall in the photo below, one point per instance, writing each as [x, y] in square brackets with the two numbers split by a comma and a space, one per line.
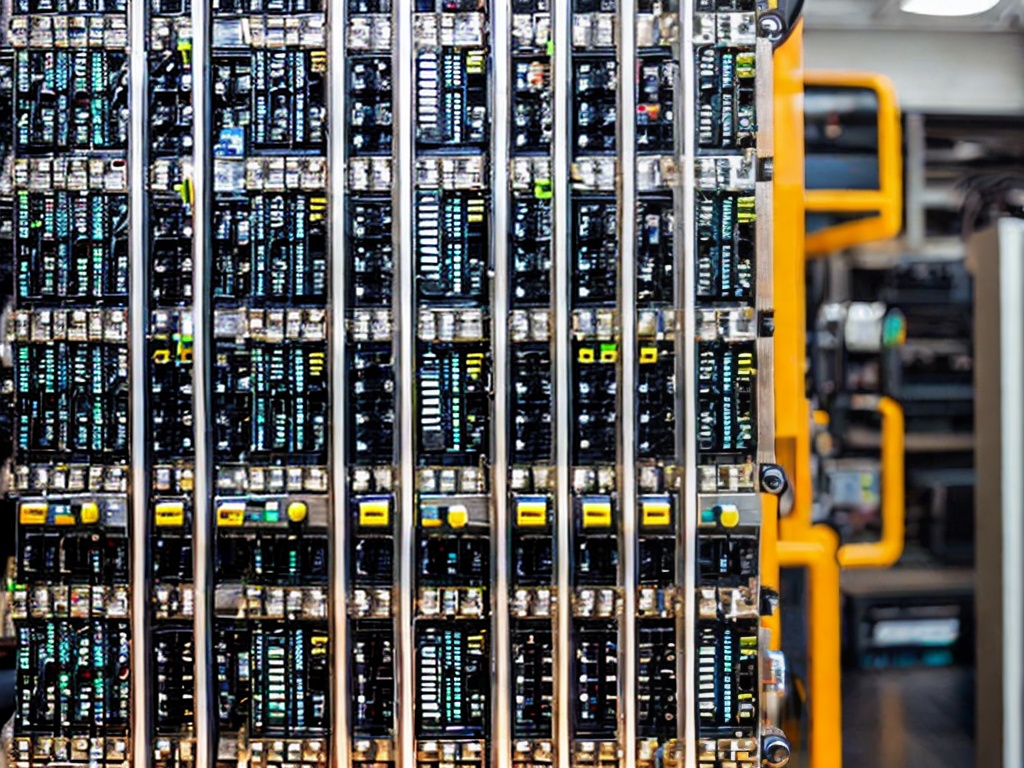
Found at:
[964, 72]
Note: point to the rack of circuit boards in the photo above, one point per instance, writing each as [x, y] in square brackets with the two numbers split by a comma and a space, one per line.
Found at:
[391, 381]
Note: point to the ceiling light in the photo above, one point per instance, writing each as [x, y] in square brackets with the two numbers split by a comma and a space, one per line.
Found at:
[947, 7]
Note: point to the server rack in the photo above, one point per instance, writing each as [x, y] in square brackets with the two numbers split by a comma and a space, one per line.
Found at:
[440, 376]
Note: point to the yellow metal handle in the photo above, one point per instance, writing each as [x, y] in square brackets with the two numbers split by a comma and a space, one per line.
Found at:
[885, 203]
[889, 548]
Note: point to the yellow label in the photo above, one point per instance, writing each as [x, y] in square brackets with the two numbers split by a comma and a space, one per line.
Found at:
[32, 514]
[531, 513]
[231, 515]
[374, 513]
[597, 514]
[656, 513]
[169, 514]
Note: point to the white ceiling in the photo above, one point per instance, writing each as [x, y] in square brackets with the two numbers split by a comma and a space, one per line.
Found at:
[1008, 16]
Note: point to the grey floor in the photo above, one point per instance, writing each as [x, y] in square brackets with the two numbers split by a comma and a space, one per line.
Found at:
[916, 718]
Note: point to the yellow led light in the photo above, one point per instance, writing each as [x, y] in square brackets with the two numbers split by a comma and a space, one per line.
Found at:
[729, 517]
[297, 511]
[90, 513]
[458, 516]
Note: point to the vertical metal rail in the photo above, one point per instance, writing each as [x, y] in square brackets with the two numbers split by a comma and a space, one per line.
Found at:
[626, 141]
[561, 93]
[202, 521]
[682, 251]
[688, 505]
[402, 191]
[337, 179]
[138, 318]
[501, 24]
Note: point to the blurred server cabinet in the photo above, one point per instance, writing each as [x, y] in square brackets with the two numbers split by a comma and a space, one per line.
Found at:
[996, 256]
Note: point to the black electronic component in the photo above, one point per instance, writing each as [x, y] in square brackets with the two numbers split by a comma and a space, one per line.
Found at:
[655, 253]
[595, 402]
[531, 105]
[172, 548]
[531, 404]
[533, 557]
[595, 86]
[293, 556]
[372, 411]
[451, 245]
[531, 252]
[82, 555]
[726, 398]
[657, 701]
[73, 676]
[595, 541]
[71, 247]
[369, 111]
[596, 680]
[170, 100]
[373, 679]
[272, 680]
[369, 223]
[727, 678]
[271, 403]
[726, 97]
[532, 653]
[270, 250]
[170, 354]
[453, 398]
[727, 561]
[451, 96]
[372, 560]
[452, 546]
[596, 248]
[725, 246]
[269, 100]
[49, 82]
[453, 679]
[656, 401]
[655, 113]
[173, 660]
[72, 401]
[170, 243]
[657, 554]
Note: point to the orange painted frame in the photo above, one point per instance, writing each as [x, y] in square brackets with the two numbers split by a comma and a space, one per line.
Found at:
[887, 202]
[795, 543]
